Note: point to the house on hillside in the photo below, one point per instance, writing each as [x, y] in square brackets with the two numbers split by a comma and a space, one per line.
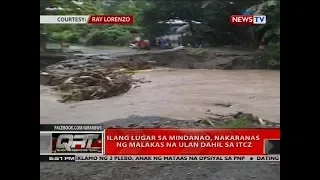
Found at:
[177, 30]
[47, 45]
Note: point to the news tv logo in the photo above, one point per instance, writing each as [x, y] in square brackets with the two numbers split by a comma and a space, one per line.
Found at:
[247, 19]
[76, 142]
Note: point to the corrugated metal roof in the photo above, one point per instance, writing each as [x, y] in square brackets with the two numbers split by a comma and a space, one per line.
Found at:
[177, 21]
[61, 9]
[183, 28]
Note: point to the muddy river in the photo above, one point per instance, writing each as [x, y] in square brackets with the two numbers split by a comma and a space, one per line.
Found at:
[180, 94]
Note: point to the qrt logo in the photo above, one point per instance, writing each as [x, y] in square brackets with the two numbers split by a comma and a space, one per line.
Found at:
[77, 143]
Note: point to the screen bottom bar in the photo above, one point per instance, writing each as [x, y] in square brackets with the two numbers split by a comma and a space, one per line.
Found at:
[98, 158]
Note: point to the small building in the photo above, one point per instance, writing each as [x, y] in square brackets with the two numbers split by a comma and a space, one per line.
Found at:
[47, 45]
[177, 30]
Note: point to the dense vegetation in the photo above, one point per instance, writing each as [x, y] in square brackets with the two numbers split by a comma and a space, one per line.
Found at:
[214, 14]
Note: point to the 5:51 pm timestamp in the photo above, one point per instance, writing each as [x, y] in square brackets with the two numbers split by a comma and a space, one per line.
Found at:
[57, 158]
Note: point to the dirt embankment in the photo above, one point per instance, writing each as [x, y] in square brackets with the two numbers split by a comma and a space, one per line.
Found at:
[194, 58]
[201, 59]
[48, 58]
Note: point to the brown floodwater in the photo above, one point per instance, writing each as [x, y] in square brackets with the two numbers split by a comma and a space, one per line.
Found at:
[180, 94]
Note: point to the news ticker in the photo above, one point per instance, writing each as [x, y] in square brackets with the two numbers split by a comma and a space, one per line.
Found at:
[97, 158]
[159, 141]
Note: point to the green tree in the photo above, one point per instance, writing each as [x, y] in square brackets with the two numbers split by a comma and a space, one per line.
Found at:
[213, 14]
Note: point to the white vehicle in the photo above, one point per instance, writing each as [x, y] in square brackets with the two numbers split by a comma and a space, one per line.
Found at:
[133, 46]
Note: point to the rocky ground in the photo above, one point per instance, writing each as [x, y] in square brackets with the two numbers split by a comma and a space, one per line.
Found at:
[198, 58]
[160, 170]
[193, 58]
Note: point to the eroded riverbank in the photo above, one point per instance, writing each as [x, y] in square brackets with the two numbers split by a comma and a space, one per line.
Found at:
[179, 94]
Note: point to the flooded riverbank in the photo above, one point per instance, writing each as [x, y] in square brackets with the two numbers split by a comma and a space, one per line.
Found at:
[180, 94]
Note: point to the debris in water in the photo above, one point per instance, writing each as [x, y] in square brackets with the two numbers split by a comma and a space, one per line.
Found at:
[253, 121]
[96, 83]
[223, 104]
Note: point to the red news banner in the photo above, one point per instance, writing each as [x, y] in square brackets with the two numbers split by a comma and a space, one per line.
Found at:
[111, 19]
[188, 141]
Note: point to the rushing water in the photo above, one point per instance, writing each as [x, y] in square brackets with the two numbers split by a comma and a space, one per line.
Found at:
[181, 94]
